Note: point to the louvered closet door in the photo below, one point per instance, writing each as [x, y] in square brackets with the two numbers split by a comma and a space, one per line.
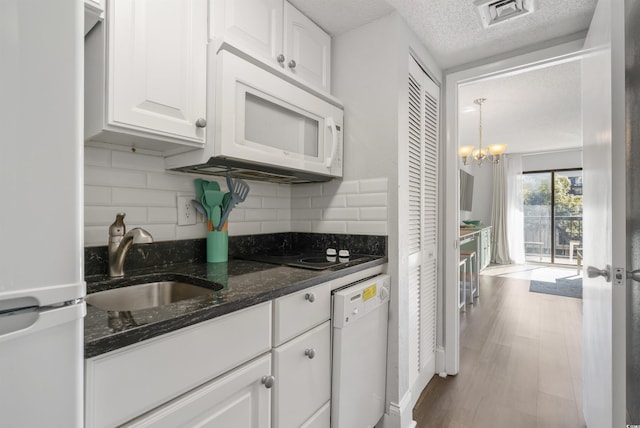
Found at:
[422, 219]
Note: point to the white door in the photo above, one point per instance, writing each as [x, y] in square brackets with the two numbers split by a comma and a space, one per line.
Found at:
[605, 329]
[421, 219]
[307, 49]
[158, 66]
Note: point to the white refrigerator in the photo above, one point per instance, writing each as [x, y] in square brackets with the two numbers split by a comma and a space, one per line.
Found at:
[41, 213]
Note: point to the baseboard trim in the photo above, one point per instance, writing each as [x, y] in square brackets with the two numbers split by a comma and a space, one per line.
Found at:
[441, 362]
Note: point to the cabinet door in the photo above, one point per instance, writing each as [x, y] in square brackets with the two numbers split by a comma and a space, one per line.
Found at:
[157, 66]
[237, 399]
[302, 368]
[307, 49]
[255, 25]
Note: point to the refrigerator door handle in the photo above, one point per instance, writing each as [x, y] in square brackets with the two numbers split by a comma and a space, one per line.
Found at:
[30, 320]
[18, 319]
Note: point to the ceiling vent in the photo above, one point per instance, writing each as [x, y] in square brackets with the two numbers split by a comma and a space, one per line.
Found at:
[493, 12]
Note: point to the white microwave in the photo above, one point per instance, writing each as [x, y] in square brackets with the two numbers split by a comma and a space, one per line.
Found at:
[262, 126]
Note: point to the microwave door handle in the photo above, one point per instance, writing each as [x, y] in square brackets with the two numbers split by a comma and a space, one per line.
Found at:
[334, 138]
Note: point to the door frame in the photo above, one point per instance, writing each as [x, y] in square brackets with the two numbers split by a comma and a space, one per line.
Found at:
[567, 49]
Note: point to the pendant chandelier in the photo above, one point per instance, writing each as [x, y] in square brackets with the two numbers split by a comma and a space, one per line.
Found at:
[491, 153]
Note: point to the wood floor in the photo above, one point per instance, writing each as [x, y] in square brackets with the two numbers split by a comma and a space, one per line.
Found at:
[520, 364]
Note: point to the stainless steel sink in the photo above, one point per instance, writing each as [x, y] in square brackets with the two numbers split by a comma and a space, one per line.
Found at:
[143, 296]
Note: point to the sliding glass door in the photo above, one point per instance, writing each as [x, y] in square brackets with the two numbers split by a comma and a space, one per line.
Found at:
[553, 216]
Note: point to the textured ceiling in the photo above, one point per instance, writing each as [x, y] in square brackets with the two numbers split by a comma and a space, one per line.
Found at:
[451, 29]
[534, 111]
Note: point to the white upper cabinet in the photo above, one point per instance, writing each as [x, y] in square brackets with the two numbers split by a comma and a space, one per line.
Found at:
[146, 74]
[276, 32]
[254, 25]
[307, 48]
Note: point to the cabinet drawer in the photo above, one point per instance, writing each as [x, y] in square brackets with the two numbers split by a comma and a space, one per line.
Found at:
[127, 382]
[303, 384]
[298, 312]
[237, 399]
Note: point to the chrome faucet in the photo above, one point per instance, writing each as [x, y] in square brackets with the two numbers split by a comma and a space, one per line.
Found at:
[120, 242]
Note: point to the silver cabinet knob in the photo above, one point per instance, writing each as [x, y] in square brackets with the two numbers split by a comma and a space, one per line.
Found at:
[310, 297]
[280, 59]
[201, 122]
[593, 272]
[268, 381]
[310, 353]
[292, 64]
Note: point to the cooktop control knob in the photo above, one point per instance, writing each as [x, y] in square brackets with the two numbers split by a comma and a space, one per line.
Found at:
[331, 252]
[343, 254]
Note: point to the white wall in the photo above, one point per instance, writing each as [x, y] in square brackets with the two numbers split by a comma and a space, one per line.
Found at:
[555, 160]
[121, 181]
[370, 76]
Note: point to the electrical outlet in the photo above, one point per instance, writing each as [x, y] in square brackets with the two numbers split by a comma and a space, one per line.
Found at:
[186, 211]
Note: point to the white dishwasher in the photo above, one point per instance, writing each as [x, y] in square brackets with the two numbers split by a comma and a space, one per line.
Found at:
[358, 381]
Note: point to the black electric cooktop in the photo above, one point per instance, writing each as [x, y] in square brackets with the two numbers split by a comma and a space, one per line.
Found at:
[306, 259]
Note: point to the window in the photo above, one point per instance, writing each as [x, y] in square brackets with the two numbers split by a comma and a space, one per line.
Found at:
[553, 216]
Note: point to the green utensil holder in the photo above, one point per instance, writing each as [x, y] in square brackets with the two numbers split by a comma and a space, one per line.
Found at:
[217, 246]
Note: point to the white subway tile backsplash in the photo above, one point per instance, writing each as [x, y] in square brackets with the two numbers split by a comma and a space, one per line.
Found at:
[195, 231]
[96, 195]
[164, 181]
[136, 161]
[301, 226]
[143, 197]
[277, 203]
[376, 185]
[312, 189]
[284, 191]
[337, 187]
[244, 228]
[373, 213]
[300, 203]
[329, 201]
[160, 232]
[99, 176]
[96, 215]
[284, 214]
[263, 189]
[310, 214]
[236, 215]
[367, 227]
[97, 157]
[95, 235]
[261, 215]
[340, 214]
[162, 215]
[276, 226]
[137, 184]
[367, 200]
[329, 227]
[250, 202]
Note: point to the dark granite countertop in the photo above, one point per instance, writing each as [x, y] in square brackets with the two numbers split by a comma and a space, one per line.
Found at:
[245, 283]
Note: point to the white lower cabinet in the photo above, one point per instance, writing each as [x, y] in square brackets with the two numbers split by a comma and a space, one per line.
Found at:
[125, 383]
[267, 365]
[320, 419]
[237, 399]
[302, 368]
